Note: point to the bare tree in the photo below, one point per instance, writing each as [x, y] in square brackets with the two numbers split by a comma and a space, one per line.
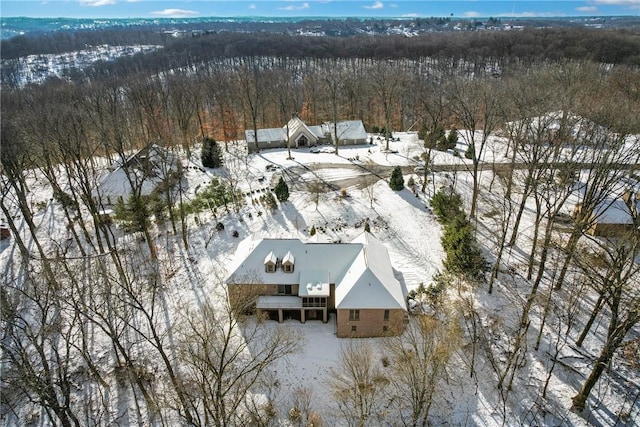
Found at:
[617, 278]
[475, 105]
[251, 90]
[37, 349]
[418, 359]
[387, 80]
[359, 385]
[226, 358]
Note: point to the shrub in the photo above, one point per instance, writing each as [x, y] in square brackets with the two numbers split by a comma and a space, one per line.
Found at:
[312, 232]
[270, 201]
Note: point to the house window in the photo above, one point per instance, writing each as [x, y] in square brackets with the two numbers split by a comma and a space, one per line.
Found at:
[354, 315]
[270, 262]
[287, 268]
[386, 315]
[385, 328]
[354, 328]
[284, 289]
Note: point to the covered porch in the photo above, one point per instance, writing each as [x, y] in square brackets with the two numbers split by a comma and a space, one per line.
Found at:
[308, 308]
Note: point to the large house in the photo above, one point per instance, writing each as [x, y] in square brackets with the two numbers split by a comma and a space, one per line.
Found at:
[289, 278]
[298, 134]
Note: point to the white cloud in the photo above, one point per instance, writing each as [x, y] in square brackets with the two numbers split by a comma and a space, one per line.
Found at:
[531, 15]
[376, 5]
[630, 3]
[175, 13]
[96, 3]
[294, 7]
[393, 5]
[410, 15]
[252, 6]
[587, 9]
[471, 14]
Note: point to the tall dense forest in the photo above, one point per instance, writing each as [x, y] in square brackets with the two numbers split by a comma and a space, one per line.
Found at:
[219, 84]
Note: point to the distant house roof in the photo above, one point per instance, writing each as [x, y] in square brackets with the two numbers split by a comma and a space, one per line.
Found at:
[361, 270]
[350, 130]
[145, 170]
[347, 130]
[296, 126]
[616, 211]
[266, 135]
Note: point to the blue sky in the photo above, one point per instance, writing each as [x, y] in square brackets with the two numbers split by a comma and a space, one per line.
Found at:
[313, 8]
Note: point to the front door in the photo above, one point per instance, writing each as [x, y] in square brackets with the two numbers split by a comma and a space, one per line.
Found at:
[303, 141]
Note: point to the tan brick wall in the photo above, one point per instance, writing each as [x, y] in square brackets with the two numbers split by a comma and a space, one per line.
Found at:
[371, 323]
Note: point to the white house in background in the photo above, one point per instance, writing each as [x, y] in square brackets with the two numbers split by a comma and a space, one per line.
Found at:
[289, 278]
[299, 134]
[140, 174]
[615, 217]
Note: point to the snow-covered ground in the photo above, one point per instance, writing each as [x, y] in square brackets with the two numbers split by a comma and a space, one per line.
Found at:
[404, 223]
[38, 68]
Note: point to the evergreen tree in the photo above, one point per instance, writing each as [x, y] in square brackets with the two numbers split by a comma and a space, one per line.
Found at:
[452, 139]
[211, 155]
[459, 244]
[446, 205]
[471, 152]
[312, 232]
[282, 190]
[367, 227]
[397, 181]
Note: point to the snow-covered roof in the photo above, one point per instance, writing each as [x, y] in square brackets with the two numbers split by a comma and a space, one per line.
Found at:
[347, 130]
[317, 130]
[288, 258]
[361, 270]
[370, 282]
[296, 125]
[314, 283]
[146, 169]
[615, 212]
[266, 135]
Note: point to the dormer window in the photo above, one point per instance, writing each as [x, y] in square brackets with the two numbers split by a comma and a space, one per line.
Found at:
[270, 263]
[288, 262]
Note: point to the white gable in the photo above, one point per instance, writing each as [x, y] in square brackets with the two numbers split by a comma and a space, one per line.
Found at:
[361, 270]
[370, 282]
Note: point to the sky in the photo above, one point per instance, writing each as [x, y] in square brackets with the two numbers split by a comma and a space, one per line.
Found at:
[313, 8]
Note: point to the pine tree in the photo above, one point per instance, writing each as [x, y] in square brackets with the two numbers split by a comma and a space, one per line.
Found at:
[471, 152]
[211, 155]
[367, 227]
[282, 190]
[452, 139]
[312, 232]
[397, 181]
